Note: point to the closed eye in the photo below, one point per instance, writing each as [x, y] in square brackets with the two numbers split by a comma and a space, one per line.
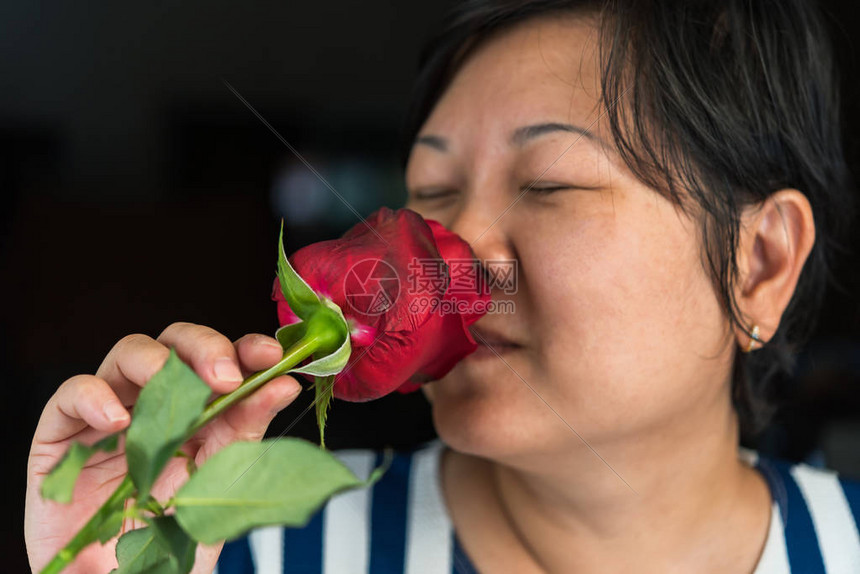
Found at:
[544, 189]
[548, 188]
[432, 193]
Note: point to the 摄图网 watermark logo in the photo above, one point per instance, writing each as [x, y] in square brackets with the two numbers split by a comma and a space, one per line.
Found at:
[372, 286]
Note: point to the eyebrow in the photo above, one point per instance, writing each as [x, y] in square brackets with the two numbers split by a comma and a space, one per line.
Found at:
[520, 136]
[523, 135]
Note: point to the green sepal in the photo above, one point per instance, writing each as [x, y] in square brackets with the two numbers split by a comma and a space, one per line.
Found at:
[324, 387]
[329, 323]
[288, 335]
[300, 297]
[319, 318]
[60, 482]
[323, 367]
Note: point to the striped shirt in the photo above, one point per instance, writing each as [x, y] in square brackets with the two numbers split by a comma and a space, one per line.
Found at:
[401, 524]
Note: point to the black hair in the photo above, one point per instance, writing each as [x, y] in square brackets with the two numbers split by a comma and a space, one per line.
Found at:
[720, 103]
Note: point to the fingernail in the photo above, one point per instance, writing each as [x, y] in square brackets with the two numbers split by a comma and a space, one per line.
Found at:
[295, 392]
[226, 371]
[287, 400]
[266, 342]
[115, 412]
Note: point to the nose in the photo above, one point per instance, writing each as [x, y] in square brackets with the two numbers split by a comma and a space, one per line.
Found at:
[485, 229]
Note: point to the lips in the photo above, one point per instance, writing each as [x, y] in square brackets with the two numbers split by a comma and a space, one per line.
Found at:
[491, 338]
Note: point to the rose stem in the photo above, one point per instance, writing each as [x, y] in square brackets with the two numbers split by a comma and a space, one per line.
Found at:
[302, 349]
[89, 533]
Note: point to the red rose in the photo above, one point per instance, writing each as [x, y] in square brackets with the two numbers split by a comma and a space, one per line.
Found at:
[408, 313]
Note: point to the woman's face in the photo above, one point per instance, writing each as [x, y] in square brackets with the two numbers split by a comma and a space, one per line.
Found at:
[616, 325]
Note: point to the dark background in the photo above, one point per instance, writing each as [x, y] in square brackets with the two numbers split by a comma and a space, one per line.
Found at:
[137, 190]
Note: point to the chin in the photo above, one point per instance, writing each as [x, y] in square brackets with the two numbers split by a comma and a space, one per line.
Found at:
[475, 421]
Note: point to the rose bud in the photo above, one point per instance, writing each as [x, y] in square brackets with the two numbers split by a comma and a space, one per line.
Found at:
[409, 289]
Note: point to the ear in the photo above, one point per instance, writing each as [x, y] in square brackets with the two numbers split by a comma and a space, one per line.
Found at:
[776, 237]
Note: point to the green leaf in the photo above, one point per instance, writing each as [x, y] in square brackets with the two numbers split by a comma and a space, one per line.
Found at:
[251, 484]
[60, 482]
[165, 410]
[111, 525]
[160, 548]
[141, 552]
[324, 387]
[299, 295]
[176, 541]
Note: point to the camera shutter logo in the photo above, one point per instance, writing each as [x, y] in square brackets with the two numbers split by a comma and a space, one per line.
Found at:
[371, 286]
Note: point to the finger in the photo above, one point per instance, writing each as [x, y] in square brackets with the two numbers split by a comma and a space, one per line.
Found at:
[249, 419]
[208, 352]
[257, 352]
[82, 401]
[131, 363]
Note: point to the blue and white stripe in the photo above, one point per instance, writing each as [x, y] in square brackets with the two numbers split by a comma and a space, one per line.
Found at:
[401, 525]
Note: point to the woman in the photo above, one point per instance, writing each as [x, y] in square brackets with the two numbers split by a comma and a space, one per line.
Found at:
[668, 177]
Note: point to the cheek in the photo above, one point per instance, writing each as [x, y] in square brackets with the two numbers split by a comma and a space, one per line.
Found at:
[626, 317]
[428, 392]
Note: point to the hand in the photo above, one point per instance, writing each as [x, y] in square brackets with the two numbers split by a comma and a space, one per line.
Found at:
[86, 408]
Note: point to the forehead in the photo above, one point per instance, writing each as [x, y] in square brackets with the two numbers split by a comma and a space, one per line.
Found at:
[546, 66]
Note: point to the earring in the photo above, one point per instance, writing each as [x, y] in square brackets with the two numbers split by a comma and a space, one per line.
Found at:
[754, 338]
